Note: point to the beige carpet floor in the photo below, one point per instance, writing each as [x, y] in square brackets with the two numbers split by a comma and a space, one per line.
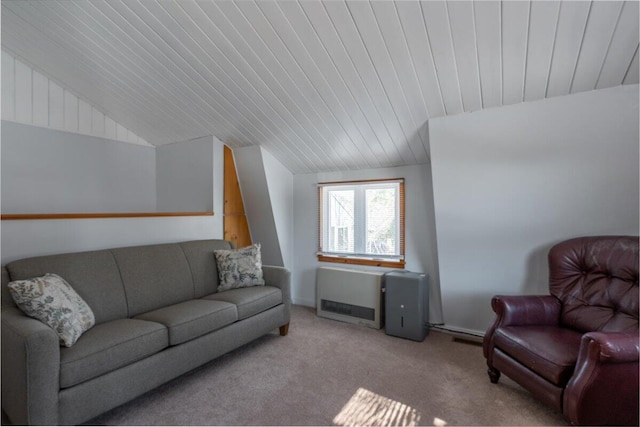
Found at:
[332, 373]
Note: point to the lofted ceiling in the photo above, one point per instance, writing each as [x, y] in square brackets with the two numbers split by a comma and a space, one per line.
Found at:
[322, 85]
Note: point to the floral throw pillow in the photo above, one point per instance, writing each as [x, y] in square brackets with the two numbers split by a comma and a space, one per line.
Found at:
[53, 301]
[239, 268]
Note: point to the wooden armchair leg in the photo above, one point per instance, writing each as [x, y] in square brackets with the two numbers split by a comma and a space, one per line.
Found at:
[284, 330]
[494, 374]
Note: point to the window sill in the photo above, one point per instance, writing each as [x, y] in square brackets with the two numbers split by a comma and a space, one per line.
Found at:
[362, 261]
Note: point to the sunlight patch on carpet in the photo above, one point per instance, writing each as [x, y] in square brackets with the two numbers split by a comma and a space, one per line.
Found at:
[366, 408]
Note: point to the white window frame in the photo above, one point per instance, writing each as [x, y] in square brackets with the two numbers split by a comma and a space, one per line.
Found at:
[359, 254]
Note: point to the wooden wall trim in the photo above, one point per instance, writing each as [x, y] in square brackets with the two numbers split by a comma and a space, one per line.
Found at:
[43, 216]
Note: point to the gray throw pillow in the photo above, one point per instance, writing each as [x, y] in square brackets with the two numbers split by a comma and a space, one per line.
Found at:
[54, 302]
[239, 268]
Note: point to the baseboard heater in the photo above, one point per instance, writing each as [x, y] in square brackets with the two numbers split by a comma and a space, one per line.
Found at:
[352, 296]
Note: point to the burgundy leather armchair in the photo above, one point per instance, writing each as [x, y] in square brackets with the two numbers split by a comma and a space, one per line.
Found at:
[578, 348]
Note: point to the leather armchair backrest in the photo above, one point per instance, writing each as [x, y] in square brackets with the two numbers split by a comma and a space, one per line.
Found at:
[596, 280]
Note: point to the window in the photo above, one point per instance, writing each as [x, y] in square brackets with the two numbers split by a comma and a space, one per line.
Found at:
[362, 222]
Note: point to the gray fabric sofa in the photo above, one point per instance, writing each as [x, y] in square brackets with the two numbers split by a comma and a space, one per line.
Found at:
[158, 316]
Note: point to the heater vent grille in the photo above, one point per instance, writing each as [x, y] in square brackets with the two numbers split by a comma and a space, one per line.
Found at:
[349, 309]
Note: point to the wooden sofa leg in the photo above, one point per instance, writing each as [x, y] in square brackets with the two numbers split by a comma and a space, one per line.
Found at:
[284, 330]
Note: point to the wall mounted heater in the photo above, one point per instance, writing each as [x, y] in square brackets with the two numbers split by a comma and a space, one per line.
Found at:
[352, 296]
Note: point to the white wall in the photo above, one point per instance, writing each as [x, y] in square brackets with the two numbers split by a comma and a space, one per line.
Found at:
[257, 202]
[50, 171]
[420, 238]
[510, 182]
[184, 176]
[21, 239]
[190, 177]
[280, 186]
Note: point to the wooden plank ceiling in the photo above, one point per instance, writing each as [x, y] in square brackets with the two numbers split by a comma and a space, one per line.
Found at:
[322, 85]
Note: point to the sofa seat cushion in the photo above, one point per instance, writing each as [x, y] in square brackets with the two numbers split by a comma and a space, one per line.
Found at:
[250, 301]
[193, 318]
[549, 351]
[109, 346]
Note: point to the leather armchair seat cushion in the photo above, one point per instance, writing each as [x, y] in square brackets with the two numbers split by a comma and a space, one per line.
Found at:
[549, 351]
[191, 319]
[250, 301]
[109, 346]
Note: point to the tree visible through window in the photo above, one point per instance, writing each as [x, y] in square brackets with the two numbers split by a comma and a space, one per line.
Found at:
[362, 222]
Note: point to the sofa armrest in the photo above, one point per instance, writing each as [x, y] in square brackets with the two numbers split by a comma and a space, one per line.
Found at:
[30, 369]
[279, 277]
[604, 387]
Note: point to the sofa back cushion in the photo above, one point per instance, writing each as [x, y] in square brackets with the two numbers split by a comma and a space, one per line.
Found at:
[6, 296]
[203, 266]
[93, 275]
[596, 280]
[154, 276]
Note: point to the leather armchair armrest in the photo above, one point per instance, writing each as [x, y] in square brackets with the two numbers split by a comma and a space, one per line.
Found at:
[604, 387]
[30, 369]
[518, 310]
[614, 347]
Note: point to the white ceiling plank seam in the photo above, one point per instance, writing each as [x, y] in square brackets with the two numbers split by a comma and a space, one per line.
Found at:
[42, 104]
[339, 52]
[439, 33]
[265, 31]
[348, 99]
[323, 85]
[147, 65]
[598, 33]
[301, 23]
[372, 128]
[411, 61]
[229, 85]
[620, 52]
[177, 50]
[23, 37]
[416, 38]
[489, 51]
[526, 53]
[608, 48]
[201, 94]
[515, 20]
[283, 27]
[543, 20]
[352, 40]
[318, 67]
[8, 86]
[81, 58]
[115, 71]
[572, 24]
[463, 40]
[364, 20]
[553, 49]
[267, 66]
[275, 89]
[401, 76]
[631, 75]
[475, 39]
